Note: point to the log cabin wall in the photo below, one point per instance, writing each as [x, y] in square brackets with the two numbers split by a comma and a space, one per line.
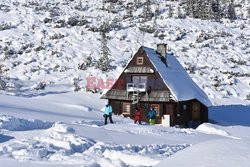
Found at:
[179, 115]
[181, 112]
[118, 109]
[154, 79]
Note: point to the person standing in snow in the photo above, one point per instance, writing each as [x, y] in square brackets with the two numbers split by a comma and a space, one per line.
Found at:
[138, 115]
[108, 113]
[152, 116]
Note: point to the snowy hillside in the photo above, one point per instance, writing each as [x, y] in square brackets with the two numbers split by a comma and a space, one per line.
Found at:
[44, 43]
[49, 47]
[67, 130]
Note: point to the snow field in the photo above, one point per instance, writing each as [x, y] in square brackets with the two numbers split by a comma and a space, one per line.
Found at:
[58, 143]
[17, 124]
[68, 130]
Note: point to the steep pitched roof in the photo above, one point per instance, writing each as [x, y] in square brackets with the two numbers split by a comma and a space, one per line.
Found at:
[177, 79]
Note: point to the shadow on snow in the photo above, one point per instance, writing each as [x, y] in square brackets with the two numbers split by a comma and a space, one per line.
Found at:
[229, 115]
[4, 138]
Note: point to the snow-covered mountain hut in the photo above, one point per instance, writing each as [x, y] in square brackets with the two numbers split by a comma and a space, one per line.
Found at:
[156, 78]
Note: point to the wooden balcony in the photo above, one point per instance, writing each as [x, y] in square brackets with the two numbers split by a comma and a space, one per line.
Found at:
[140, 87]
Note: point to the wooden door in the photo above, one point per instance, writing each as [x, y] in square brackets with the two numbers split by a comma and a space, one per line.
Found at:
[196, 111]
[126, 109]
[169, 110]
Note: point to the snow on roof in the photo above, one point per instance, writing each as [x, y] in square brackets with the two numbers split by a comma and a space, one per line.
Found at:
[177, 79]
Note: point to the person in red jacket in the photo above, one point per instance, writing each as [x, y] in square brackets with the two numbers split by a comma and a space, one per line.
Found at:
[138, 115]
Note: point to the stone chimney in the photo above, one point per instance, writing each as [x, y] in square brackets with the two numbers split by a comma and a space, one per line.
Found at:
[162, 50]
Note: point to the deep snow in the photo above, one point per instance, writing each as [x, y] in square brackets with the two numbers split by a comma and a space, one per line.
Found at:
[67, 130]
[41, 46]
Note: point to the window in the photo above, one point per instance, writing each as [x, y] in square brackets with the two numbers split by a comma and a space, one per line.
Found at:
[157, 108]
[139, 61]
[125, 108]
[139, 79]
[184, 106]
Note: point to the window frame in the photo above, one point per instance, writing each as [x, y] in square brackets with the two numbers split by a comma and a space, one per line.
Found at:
[126, 104]
[140, 60]
[139, 79]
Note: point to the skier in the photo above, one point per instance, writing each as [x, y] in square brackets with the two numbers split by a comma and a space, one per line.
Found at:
[152, 116]
[108, 113]
[138, 115]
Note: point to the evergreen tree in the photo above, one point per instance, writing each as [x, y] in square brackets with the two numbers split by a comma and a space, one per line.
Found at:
[156, 14]
[178, 12]
[103, 4]
[80, 4]
[129, 10]
[190, 8]
[231, 11]
[147, 12]
[137, 4]
[248, 13]
[201, 9]
[216, 9]
[197, 8]
[170, 11]
[103, 63]
[206, 9]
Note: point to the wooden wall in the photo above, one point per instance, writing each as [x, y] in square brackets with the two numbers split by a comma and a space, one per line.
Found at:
[127, 77]
[179, 115]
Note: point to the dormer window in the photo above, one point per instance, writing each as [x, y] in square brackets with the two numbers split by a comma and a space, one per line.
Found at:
[139, 61]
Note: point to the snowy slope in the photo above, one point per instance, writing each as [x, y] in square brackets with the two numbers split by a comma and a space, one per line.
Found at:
[44, 123]
[45, 42]
[67, 130]
[72, 134]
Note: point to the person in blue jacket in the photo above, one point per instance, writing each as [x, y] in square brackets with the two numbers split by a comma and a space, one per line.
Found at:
[152, 116]
[108, 113]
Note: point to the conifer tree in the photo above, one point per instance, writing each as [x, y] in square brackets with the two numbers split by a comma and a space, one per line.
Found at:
[156, 14]
[231, 11]
[130, 9]
[136, 3]
[206, 12]
[190, 8]
[248, 13]
[197, 8]
[216, 9]
[80, 4]
[103, 63]
[170, 11]
[147, 12]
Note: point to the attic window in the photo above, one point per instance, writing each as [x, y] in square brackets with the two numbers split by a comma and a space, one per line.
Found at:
[139, 61]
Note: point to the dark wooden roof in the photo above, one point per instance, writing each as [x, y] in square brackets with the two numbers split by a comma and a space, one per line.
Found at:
[117, 94]
[139, 70]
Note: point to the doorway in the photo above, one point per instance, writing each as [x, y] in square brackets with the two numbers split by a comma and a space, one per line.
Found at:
[196, 111]
[169, 110]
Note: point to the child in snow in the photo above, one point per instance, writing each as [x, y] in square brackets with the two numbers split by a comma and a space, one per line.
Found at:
[137, 115]
[152, 116]
[108, 113]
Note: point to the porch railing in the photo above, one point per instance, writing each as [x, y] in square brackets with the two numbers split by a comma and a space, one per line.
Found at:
[132, 87]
